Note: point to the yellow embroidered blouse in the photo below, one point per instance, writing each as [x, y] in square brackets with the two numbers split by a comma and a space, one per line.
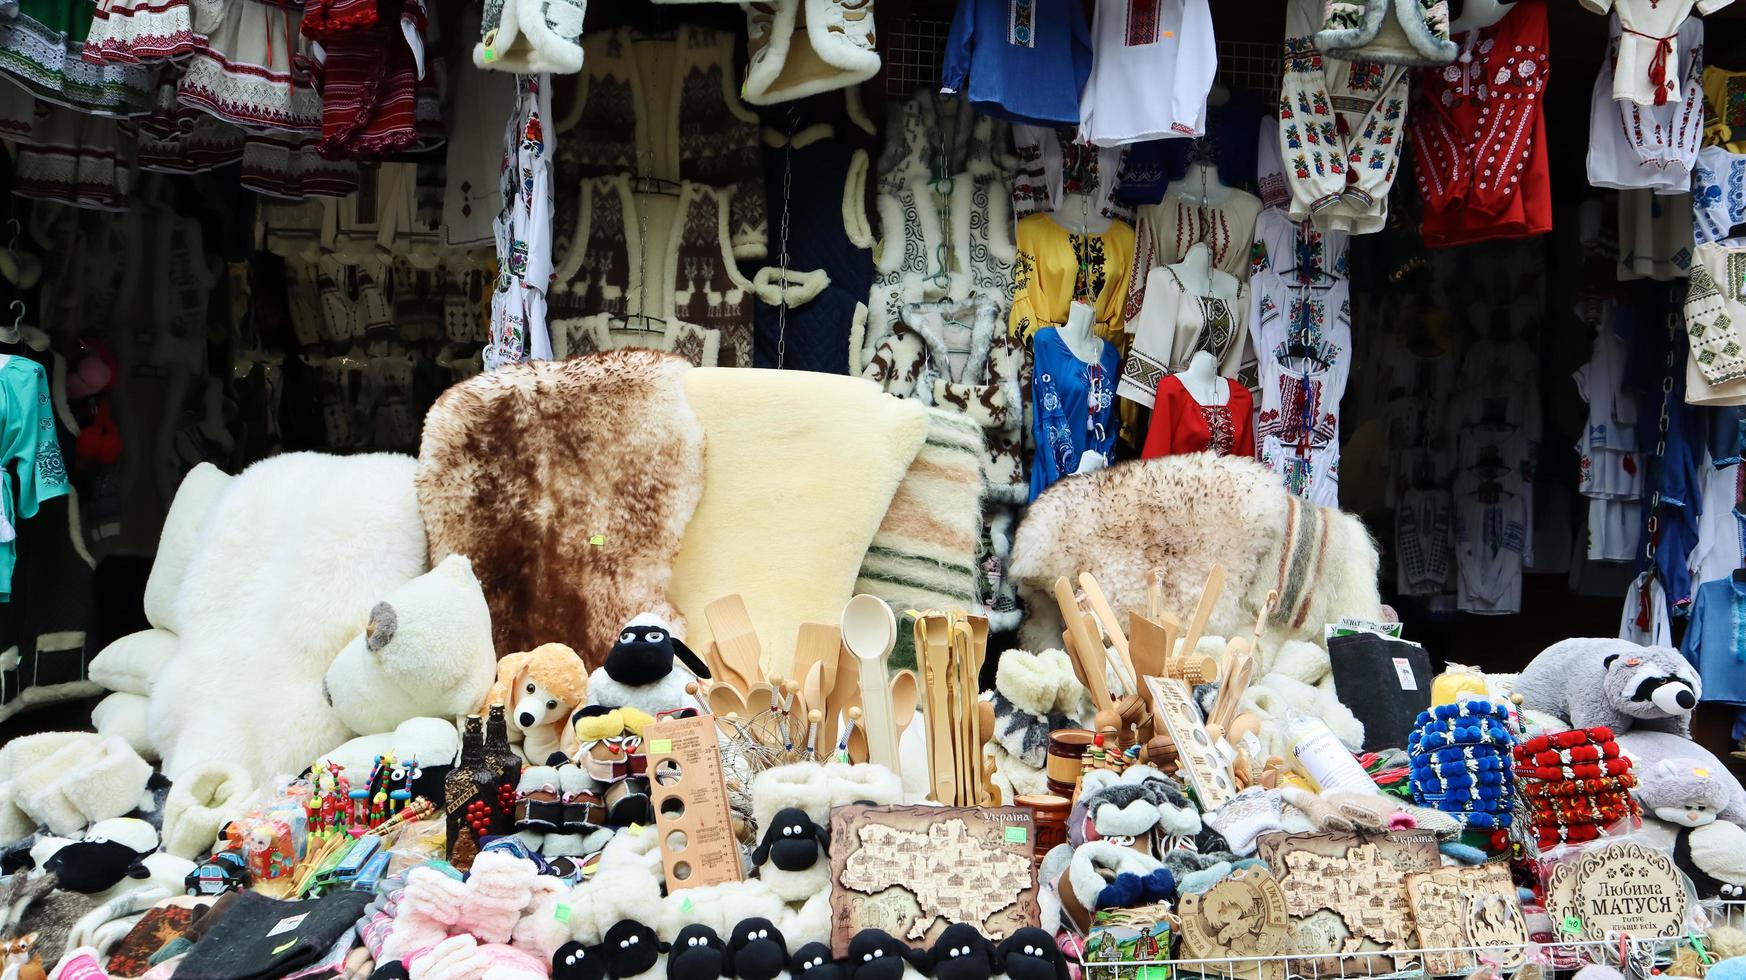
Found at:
[1725, 109]
[1054, 266]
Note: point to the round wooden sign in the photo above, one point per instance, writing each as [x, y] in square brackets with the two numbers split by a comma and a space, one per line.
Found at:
[1243, 915]
[1628, 888]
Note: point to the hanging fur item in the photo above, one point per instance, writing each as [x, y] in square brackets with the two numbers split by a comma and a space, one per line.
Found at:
[804, 47]
[530, 37]
[1397, 32]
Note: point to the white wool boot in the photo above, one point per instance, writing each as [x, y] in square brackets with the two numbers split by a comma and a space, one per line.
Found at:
[803, 47]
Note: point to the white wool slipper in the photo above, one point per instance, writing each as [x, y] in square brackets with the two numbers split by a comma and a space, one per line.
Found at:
[107, 783]
[123, 716]
[791, 56]
[40, 793]
[1301, 660]
[540, 932]
[803, 784]
[1031, 681]
[811, 923]
[627, 891]
[721, 907]
[864, 782]
[200, 804]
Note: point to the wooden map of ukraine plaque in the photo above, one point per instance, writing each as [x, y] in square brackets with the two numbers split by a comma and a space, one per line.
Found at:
[913, 870]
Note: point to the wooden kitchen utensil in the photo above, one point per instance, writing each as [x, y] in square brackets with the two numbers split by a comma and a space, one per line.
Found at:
[816, 643]
[869, 632]
[1106, 616]
[737, 640]
[1087, 648]
[1209, 594]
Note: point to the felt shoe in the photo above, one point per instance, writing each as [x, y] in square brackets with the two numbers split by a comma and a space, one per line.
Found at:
[536, 799]
[583, 809]
[498, 888]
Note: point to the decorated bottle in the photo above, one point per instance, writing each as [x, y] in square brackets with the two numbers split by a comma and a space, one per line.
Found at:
[470, 783]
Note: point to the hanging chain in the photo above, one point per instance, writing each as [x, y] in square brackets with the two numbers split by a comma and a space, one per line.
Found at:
[1653, 528]
[782, 255]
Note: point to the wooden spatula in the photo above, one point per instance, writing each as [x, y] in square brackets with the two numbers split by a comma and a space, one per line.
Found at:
[933, 650]
[1209, 594]
[817, 643]
[1087, 648]
[1106, 615]
[737, 640]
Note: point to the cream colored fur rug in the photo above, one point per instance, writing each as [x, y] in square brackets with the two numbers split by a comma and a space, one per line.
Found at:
[799, 471]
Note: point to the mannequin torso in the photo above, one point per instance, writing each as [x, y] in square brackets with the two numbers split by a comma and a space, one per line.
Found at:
[1201, 185]
[1079, 214]
[1202, 382]
[1076, 333]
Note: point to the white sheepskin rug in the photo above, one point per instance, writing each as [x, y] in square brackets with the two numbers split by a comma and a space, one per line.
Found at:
[1183, 514]
[295, 552]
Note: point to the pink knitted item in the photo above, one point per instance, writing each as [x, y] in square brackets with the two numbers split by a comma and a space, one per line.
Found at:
[464, 958]
[429, 908]
[498, 888]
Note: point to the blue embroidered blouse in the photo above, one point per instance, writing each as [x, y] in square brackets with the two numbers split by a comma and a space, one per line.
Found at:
[1026, 60]
[1715, 640]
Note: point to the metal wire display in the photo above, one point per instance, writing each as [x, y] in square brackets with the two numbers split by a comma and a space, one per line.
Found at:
[915, 50]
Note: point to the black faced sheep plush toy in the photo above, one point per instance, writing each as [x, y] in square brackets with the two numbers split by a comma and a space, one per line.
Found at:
[794, 854]
[961, 953]
[756, 950]
[875, 955]
[639, 671]
[698, 954]
[813, 962]
[631, 949]
[574, 961]
[1031, 954]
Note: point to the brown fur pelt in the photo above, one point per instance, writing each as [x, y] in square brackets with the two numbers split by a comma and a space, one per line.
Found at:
[1182, 515]
[569, 484]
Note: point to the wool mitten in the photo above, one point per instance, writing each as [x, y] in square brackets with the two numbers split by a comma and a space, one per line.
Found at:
[1246, 816]
[498, 888]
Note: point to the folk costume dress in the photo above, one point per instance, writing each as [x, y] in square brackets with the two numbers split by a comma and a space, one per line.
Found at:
[1055, 266]
[1648, 147]
[1176, 323]
[1341, 126]
[1479, 135]
[1164, 231]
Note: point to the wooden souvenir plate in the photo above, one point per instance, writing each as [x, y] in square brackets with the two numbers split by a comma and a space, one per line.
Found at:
[1243, 915]
[1625, 887]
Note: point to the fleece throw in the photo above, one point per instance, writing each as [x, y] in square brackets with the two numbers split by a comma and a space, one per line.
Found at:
[295, 552]
[800, 471]
[1182, 515]
[568, 484]
[924, 555]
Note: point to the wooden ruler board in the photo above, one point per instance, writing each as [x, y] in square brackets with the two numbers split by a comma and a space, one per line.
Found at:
[691, 804]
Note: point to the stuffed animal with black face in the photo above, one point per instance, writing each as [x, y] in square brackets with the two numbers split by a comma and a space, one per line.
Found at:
[112, 850]
[1031, 954]
[756, 950]
[639, 671]
[698, 954]
[875, 955]
[792, 842]
[961, 953]
[813, 962]
[630, 948]
[574, 961]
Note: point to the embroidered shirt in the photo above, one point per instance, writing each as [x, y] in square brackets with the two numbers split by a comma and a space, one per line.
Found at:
[1647, 69]
[1152, 67]
[1715, 640]
[29, 451]
[1648, 146]
[1715, 312]
[1025, 61]
[1725, 108]
[1056, 266]
[1718, 193]
[1182, 425]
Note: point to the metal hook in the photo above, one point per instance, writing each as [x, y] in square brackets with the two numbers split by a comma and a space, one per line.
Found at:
[17, 230]
[18, 307]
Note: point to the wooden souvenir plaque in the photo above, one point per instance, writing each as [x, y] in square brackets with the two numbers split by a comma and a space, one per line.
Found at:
[913, 870]
[1240, 916]
[1356, 877]
[691, 807]
[1619, 887]
[1455, 907]
[1210, 777]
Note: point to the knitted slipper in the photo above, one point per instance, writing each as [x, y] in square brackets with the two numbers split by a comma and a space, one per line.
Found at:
[499, 886]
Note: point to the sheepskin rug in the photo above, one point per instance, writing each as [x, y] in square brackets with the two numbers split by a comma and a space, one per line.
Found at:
[294, 553]
[569, 484]
[1182, 515]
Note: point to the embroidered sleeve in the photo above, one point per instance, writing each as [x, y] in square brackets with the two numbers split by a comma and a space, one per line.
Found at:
[1440, 165]
[958, 43]
[1145, 255]
[1024, 321]
[1596, 6]
[1711, 6]
[1691, 644]
[1309, 135]
[1507, 125]
[42, 473]
[1375, 149]
[1716, 345]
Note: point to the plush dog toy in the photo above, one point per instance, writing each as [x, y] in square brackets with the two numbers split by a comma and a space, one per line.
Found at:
[638, 672]
[540, 688]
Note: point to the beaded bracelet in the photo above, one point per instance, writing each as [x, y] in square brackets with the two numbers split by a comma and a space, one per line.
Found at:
[1467, 708]
[1564, 740]
[1533, 789]
[1583, 770]
[1559, 757]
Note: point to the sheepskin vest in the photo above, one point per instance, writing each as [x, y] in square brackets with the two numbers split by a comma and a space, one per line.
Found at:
[945, 211]
[666, 108]
[799, 48]
[1397, 32]
[809, 306]
[659, 267]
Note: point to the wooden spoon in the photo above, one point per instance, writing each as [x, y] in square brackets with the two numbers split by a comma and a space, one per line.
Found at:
[817, 643]
[737, 639]
[870, 631]
[905, 691]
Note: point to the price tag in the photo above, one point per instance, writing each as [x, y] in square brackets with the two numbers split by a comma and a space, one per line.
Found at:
[661, 746]
[1017, 835]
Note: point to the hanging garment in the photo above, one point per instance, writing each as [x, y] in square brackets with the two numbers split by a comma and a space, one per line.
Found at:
[810, 304]
[1053, 162]
[1492, 514]
[531, 37]
[668, 108]
[945, 194]
[1715, 312]
[254, 70]
[1725, 109]
[523, 233]
[1299, 251]
[1718, 194]
[1072, 408]
[1715, 640]
[1610, 469]
[369, 80]
[471, 194]
[132, 32]
[1341, 125]
[1652, 147]
[1026, 61]
[78, 159]
[1479, 135]
[1650, 68]
[1303, 348]
[41, 46]
[1655, 235]
[1177, 323]
[1721, 544]
[1056, 266]
[30, 455]
[1152, 65]
[666, 257]
[1644, 620]
[1232, 128]
[1165, 231]
[797, 48]
[1424, 542]
[1182, 425]
[1399, 32]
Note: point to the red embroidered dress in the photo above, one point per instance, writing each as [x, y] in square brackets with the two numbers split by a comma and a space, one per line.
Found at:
[1182, 425]
[1479, 135]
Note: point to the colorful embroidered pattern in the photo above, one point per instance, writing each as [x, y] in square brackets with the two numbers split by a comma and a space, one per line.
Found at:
[1021, 23]
[1143, 21]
